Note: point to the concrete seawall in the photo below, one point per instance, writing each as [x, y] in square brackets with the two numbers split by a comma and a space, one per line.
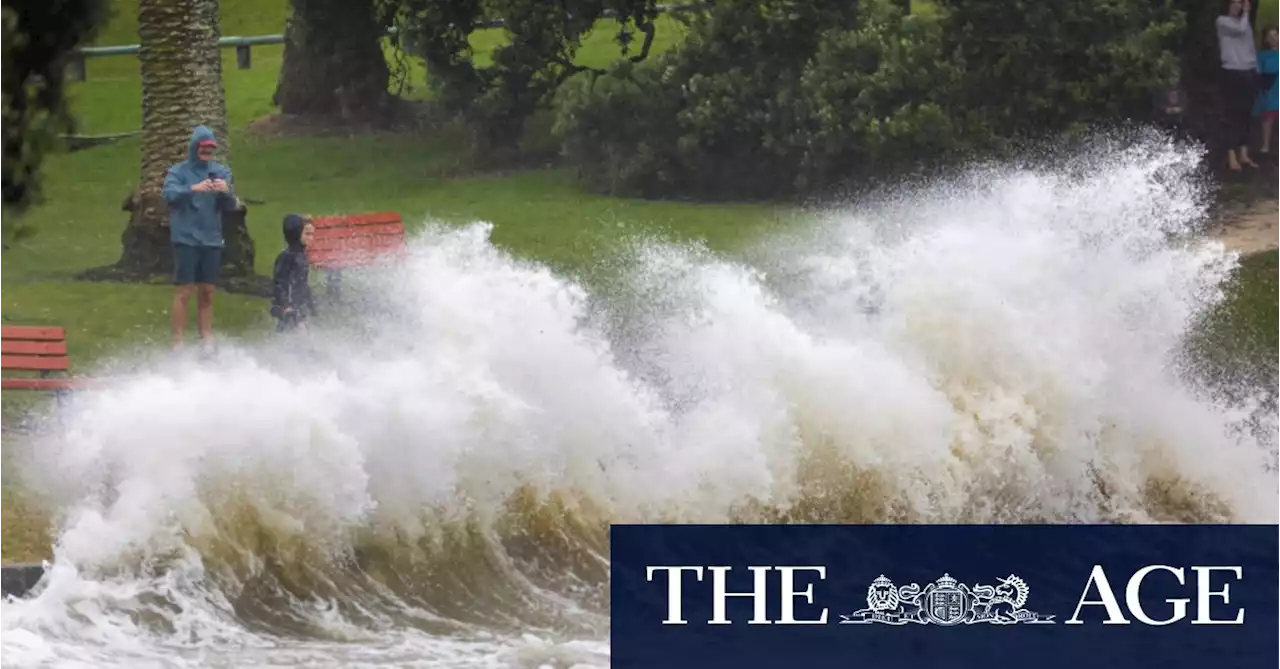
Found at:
[18, 579]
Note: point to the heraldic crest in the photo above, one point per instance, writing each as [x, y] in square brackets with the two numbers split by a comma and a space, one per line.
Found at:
[946, 601]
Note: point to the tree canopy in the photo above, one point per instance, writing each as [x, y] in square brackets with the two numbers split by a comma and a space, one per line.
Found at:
[763, 98]
[543, 38]
[39, 38]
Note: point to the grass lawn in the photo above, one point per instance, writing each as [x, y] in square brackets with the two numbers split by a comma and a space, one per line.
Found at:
[1238, 341]
[537, 214]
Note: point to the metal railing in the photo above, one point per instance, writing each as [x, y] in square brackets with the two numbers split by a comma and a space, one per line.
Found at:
[244, 56]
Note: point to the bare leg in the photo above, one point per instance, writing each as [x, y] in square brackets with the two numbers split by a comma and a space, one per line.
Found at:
[1267, 123]
[1232, 163]
[178, 313]
[204, 313]
[1244, 157]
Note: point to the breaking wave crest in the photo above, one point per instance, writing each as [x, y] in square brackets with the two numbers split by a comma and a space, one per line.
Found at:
[429, 479]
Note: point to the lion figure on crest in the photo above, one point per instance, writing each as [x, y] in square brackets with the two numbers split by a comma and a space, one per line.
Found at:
[884, 597]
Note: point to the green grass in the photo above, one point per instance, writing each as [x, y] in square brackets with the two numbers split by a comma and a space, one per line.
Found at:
[1238, 340]
[26, 537]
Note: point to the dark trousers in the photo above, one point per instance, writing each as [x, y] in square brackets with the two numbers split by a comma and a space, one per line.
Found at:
[290, 322]
[1239, 89]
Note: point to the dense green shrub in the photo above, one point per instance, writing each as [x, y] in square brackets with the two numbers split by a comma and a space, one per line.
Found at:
[883, 96]
[619, 130]
[714, 117]
[771, 98]
[1034, 67]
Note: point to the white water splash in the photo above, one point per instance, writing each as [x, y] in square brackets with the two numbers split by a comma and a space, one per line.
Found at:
[993, 349]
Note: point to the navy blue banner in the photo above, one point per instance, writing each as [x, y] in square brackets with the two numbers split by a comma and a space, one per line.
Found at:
[920, 596]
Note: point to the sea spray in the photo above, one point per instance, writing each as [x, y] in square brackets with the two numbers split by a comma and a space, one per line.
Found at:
[431, 484]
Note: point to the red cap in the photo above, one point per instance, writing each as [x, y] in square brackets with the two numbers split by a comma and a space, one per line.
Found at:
[207, 142]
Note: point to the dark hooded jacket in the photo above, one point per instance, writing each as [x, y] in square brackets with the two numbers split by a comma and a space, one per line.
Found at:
[291, 273]
[195, 218]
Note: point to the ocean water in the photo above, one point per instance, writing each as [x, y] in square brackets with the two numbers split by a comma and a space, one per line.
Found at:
[431, 485]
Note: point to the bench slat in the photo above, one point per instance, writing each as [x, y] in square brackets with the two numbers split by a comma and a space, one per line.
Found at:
[350, 257]
[355, 253]
[373, 218]
[33, 332]
[356, 243]
[355, 240]
[35, 348]
[380, 229]
[342, 260]
[42, 384]
[31, 362]
[361, 254]
[27, 347]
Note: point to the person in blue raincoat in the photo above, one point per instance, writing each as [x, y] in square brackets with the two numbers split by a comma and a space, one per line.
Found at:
[198, 191]
[1268, 66]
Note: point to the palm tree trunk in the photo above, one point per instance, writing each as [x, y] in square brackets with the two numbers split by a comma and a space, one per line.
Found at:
[181, 88]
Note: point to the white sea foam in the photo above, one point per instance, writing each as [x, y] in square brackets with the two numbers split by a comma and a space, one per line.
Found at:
[433, 489]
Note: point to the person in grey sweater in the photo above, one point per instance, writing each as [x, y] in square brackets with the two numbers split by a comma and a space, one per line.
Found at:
[1238, 80]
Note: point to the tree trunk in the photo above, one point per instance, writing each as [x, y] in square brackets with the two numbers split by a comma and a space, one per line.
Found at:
[333, 62]
[181, 88]
[1199, 74]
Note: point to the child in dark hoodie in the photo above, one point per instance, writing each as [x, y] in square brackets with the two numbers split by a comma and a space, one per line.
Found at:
[291, 300]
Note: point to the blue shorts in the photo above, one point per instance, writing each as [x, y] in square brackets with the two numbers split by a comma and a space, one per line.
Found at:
[196, 264]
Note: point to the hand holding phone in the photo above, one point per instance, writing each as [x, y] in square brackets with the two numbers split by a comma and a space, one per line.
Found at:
[216, 183]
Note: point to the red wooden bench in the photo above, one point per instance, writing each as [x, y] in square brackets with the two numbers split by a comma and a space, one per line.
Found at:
[354, 240]
[41, 349]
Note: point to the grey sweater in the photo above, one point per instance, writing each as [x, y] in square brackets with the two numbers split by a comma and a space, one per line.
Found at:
[1235, 43]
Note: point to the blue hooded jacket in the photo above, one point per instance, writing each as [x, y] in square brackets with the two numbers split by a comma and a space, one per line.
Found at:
[1268, 68]
[195, 218]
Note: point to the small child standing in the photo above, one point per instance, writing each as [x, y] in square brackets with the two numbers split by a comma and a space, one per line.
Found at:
[1268, 66]
[291, 298]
